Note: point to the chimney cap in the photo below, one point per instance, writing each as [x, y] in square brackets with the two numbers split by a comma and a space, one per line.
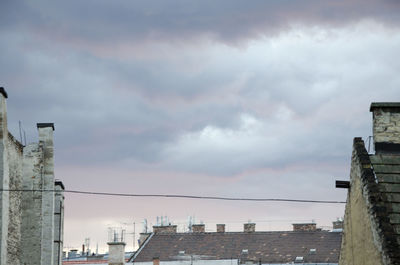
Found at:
[384, 105]
[45, 125]
[59, 183]
[3, 91]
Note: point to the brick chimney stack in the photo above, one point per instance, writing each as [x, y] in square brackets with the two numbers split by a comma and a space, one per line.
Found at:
[249, 227]
[220, 228]
[199, 228]
[305, 227]
[164, 229]
[386, 126]
[156, 261]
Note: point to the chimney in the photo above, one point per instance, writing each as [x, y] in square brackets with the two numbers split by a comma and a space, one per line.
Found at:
[116, 253]
[249, 227]
[46, 138]
[143, 237]
[156, 261]
[305, 227]
[3, 113]
[386, 127]
[199, 228]
[338, 224]
[220, 228]
[164, 229]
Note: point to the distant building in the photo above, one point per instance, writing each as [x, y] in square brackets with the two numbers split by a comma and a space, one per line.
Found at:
[371, 234]
[305, 245]
[31, 214]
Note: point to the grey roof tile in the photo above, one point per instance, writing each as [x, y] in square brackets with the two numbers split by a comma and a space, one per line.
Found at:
[270, 247]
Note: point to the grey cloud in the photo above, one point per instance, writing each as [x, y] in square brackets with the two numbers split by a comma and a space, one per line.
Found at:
[104, 22]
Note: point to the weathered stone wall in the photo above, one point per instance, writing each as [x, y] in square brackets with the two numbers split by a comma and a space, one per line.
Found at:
[10, 201]
[27, 218]
[47, 247]
[14, 153]
[386, 125]
[360, 244]
[32, 204]
[4, 182]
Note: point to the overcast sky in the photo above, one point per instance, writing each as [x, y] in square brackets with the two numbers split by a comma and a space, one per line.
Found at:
[217, 98]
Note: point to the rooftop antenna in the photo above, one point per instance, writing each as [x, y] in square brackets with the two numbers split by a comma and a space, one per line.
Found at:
[190, 223]
[20, 131]
[144, 226]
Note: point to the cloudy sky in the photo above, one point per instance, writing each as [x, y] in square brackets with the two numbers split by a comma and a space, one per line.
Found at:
[215, 98]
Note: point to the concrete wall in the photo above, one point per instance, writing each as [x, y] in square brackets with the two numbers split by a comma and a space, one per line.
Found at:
[116, 253]
[14, 153]
[360, 245]
[27, 218]
[47, 248]
[32, 204]
[10, 201]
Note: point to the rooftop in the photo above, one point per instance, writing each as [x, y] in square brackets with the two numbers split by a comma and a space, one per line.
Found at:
[270, 247]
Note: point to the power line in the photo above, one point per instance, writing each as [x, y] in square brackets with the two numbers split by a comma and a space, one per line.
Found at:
[179, 196]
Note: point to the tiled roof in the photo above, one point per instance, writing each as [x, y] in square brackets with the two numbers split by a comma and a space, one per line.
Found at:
[270, 247]
[387, 172]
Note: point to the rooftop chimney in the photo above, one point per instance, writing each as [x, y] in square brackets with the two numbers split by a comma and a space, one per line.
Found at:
[249, 227]
[3, 114]
[164, 229]
[220, 228]
[338, 224]
[305, 227]
[386, 126]
[199, 228]
[156, 261]
[116, 253]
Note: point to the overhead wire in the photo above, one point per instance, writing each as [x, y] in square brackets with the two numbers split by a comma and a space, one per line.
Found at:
[180, 196]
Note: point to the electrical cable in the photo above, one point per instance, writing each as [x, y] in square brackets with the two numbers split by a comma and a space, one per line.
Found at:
[179, 196]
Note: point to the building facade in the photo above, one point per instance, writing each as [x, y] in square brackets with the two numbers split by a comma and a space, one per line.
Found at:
[28, 198]
[371, 234]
